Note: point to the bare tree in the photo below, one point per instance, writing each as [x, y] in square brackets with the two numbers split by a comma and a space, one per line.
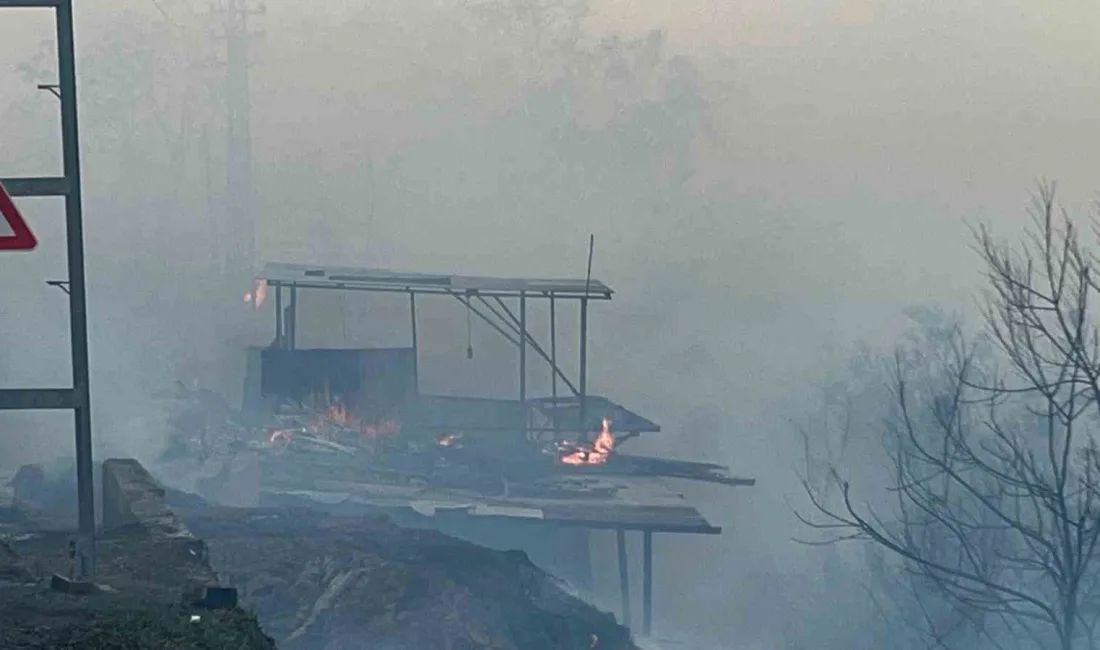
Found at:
[995, 472]
[846, 437]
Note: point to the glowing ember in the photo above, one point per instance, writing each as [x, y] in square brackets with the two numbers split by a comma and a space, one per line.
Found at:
[597, 453]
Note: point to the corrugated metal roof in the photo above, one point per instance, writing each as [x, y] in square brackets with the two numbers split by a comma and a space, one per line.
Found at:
[566, 411]
[359, 279]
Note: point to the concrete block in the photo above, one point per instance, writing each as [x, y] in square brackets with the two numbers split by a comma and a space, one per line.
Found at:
[132, 499]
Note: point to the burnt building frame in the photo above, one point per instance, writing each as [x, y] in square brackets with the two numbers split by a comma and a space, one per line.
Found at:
[486, 299]
[482, 297]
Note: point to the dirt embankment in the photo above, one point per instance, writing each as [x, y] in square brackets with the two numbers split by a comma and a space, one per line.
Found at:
[319, 582]
[315, 582]
[143, 595]
[137, 603]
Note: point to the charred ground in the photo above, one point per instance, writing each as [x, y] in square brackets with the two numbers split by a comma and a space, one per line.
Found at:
[312, 581]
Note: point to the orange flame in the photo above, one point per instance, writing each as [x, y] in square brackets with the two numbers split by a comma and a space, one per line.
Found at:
[595, 454]
[337, 413]
[258, 294]
[329, 422]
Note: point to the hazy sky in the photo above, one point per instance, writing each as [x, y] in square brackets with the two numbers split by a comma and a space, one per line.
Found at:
[869, 129]
[855, 139]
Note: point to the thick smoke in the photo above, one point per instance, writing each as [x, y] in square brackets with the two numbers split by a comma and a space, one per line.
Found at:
[766, 186]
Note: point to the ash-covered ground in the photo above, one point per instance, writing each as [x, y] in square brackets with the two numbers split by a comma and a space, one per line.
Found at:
[137, 603]
[319, 582]
[313, 581]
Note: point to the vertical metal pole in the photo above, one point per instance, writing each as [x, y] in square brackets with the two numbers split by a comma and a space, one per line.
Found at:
[416, 348]
[583, 390]
[292, 321]
[647, 582]
[584, 337]
[553, 351]
[78, 315]
[278, 315]
[554, 363]
[523, 346]
[624, 575]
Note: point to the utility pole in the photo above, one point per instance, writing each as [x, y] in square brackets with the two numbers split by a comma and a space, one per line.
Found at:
[239, 254]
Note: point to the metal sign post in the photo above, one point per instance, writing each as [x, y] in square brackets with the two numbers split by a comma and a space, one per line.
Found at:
[76, 398]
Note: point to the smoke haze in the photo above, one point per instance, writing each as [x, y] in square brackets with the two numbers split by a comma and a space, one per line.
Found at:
[768, 184]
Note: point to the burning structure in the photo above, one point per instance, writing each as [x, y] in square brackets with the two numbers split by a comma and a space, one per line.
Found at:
[350, 431]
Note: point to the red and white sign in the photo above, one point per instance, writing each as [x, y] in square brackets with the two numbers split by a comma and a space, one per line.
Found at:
[21, 237]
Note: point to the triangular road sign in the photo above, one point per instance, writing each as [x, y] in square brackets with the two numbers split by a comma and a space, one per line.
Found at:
[21, 237]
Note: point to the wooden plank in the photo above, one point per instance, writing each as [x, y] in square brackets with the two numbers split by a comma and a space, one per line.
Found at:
[626, 465]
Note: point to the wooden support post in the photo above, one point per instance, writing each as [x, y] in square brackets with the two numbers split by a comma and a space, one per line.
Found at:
[624, 575]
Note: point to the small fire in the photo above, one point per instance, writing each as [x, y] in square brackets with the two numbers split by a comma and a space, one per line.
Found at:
[257, 296]
[597, 453]
[335, 420]
[449, 439]
[337, 413]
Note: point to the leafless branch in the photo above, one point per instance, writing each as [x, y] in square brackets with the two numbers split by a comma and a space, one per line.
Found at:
[995, 471]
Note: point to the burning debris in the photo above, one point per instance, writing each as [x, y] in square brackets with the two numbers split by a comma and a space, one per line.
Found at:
[450, 440]
[595, 453]
[258, 295]
[334, 429]
[334, 441]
